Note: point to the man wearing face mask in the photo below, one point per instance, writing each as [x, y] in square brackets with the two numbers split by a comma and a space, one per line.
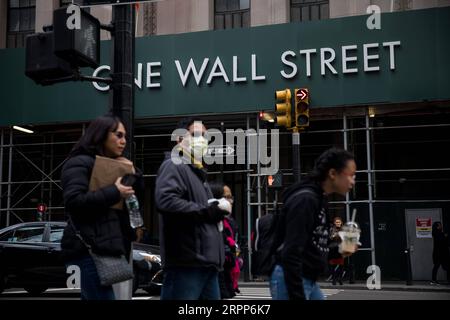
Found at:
[192, 249]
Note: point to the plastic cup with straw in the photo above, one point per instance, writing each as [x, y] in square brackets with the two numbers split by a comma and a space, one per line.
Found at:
[350, 235]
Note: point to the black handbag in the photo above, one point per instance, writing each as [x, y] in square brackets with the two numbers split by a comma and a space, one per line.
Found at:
[110, 269]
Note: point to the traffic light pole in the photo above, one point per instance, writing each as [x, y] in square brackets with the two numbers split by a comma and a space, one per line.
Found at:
[122, 94]
[296, 154]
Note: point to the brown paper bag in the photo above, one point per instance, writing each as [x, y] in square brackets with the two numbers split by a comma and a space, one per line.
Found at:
[106, 171]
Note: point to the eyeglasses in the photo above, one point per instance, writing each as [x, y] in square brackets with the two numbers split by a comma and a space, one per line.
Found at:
[119, 134]
[229, 197]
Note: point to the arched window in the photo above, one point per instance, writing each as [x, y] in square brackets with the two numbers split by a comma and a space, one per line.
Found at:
[230, 14]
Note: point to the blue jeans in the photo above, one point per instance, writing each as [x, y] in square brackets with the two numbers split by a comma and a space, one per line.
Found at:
[183, 283]
[278, 288]
[91, 289]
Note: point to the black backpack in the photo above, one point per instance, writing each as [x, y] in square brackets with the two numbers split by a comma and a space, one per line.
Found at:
[269, 237]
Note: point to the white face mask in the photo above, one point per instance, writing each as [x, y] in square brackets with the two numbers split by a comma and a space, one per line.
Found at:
[198, 146]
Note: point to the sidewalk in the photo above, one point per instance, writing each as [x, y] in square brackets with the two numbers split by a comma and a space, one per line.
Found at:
[360, 285]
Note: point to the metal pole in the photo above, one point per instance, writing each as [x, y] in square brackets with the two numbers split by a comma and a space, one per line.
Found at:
[222, 130]
[50, 186]
[122, 96]
[370, 187]
[296, 155]
[8, 202]
[40, 216]
[249, 208]
[258, 165]
[1, 173]
[347, 197]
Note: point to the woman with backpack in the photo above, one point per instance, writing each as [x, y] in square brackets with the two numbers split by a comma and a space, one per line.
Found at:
[301, 245]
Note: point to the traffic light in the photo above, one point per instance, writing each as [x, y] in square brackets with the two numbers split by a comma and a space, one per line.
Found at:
[80, 47]
[283, 108]
[41, 64]
[301, 107]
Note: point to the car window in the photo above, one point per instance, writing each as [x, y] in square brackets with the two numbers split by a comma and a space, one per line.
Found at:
[7, 236]
[27, 234]
[56, 233]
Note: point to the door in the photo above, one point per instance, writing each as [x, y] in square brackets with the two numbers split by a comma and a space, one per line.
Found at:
[420, 241]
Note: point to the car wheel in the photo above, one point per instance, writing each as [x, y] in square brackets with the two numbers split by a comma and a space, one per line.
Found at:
[35, 291]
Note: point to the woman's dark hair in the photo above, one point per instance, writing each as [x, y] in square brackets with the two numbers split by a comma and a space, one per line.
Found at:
[334, 158]
[95, 136]
[216, 189]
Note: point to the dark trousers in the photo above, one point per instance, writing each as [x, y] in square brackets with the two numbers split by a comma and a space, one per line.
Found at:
[435, 271]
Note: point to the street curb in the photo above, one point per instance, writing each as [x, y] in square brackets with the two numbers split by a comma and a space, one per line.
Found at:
[357, 287]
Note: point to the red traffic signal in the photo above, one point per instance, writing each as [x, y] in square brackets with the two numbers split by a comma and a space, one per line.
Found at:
[42, 207]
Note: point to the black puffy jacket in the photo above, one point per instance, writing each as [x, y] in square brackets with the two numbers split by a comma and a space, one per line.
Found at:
[107, 230]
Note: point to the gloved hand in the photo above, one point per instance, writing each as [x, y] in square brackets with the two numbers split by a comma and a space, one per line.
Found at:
[214, 214]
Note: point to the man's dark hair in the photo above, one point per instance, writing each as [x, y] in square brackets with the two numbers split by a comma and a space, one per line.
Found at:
[185, 123]
[95, 136]
[334, 158]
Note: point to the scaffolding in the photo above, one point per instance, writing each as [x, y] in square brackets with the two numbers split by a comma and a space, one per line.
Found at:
[29, 171]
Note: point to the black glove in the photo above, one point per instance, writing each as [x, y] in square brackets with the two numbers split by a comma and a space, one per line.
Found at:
[214, 214]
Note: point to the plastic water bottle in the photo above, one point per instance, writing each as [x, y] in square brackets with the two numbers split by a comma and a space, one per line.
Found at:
[133, 209]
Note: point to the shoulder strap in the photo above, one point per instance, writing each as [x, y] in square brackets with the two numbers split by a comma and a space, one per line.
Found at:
[78, 234]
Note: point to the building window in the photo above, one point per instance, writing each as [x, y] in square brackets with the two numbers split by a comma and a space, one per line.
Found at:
[21, 21]
[229, 14]
[309, 10]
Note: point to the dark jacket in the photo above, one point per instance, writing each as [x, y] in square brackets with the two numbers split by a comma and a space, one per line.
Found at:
[333, 244]
[441, 253]
[304, 232]
[187, 239]
[107, 230]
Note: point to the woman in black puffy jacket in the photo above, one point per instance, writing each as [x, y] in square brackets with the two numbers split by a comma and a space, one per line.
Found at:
[89, 213]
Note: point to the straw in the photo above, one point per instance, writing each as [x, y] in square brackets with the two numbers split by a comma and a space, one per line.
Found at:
[353, 215]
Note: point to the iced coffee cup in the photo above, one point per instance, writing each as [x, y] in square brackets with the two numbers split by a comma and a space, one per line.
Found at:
[349, 234]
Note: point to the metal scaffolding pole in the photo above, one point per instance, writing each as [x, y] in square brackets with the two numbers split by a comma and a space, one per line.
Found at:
[50, 186]
[8, 202]
[1, 168]
[249, 207]
[370, 191]
[258, 165]
[347, 197]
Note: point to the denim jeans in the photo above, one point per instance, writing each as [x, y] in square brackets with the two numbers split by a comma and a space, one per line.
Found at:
[278, 288]
[183, 283]
[91, 289]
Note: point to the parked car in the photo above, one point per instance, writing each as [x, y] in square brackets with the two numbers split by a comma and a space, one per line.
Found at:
[30, 258]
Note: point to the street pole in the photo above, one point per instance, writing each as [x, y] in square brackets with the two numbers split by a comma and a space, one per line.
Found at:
[122, 94]
[296, 154]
